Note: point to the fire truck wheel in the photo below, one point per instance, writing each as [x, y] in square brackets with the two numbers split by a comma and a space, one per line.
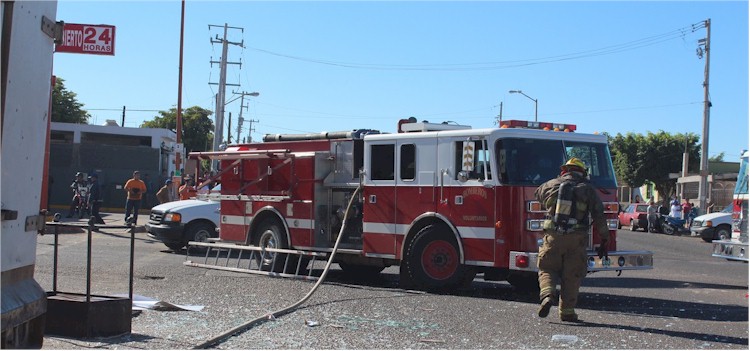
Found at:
[433, 260]
[269, 235]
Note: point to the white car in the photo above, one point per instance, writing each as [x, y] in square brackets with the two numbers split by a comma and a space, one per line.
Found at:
[714, 226]
[177, 222]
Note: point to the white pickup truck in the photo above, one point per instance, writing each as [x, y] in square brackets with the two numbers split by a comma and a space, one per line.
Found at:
[713, 226]
[177, 222]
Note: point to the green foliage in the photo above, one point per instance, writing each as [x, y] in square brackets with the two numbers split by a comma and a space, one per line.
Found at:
[717, 158]
[65, 106]
[197, 128]
[650, 158]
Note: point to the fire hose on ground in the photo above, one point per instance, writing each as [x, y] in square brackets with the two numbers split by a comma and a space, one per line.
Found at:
[269, 316]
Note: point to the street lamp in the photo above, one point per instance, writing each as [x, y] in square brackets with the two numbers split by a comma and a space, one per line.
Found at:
[536, 102]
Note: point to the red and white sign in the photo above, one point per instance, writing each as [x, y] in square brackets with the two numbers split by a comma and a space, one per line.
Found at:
[96, 39]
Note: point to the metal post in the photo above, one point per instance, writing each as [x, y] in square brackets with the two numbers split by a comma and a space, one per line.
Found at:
[703, 185]
[54, 261]
[178, 155]
[123, 117]
[132, 261]
[88, 267]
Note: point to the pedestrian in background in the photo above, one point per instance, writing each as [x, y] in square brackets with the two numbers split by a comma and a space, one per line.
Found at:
[188, 189]
[95, 198]
[166, 193]
[686, 208]
[675, 210]
[651, 216]
[135, 189]
[569, 200]
[146, 200]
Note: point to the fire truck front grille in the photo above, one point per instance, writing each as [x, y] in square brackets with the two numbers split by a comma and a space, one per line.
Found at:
[155, 217]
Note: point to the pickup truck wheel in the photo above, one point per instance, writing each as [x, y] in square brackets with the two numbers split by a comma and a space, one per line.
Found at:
[722, 233]
[200, 232]
[433, 260]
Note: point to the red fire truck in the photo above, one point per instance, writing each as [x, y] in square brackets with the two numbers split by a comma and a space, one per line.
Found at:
[442, 201]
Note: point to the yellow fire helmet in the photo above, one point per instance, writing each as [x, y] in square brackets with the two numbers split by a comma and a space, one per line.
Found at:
[574, 162]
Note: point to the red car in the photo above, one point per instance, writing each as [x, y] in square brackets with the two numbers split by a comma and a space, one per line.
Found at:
[634, 216]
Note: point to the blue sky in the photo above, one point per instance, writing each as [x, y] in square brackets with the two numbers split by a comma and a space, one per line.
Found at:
[606, 66]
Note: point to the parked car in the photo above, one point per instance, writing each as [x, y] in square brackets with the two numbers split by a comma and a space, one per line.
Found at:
[177, 222]
[634, 216]
[713, 226]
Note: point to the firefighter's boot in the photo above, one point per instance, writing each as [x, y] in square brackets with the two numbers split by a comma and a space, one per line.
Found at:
[569, 316]
[545, 306]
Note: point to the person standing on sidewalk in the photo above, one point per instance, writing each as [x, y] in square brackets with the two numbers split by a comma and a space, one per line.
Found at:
[135, 189]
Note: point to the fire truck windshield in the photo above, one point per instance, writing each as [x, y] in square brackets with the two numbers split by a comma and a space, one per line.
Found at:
[531, 162]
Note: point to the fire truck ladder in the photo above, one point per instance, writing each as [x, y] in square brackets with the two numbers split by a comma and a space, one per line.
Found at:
[257, 260]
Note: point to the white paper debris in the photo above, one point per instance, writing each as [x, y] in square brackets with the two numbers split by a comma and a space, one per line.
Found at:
[141, 303]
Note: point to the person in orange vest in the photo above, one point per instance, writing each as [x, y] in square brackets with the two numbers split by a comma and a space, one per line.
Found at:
[187, 190]
[135, 189]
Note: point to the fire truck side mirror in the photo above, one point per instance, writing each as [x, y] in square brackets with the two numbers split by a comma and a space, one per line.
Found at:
[463, 176]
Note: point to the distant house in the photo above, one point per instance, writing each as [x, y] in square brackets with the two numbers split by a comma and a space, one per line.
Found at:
[113, 152]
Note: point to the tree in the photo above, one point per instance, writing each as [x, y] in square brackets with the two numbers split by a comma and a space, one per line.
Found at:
[65, 106]
[717, 158]
[639, 159]
[197, 128]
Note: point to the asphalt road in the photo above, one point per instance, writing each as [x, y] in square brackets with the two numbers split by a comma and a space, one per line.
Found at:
[689, 301]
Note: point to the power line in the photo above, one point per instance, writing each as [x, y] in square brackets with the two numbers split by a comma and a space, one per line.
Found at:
[478, 66]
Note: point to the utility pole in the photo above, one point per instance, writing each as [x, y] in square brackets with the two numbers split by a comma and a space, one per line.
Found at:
[251, 129]
[221, 95]
[242, 106]
[704, 46]
[229, 130]
[500, 116]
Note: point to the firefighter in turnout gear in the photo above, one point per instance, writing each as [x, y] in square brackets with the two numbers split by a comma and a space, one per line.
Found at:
[568, 200]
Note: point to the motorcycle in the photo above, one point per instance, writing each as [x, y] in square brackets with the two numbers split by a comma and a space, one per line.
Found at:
[669, 225]
[81, 200]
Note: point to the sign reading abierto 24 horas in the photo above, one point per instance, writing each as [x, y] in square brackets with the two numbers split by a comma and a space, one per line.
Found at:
[97, 39]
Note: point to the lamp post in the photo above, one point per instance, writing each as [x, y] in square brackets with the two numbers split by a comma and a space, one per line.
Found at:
[536, 102]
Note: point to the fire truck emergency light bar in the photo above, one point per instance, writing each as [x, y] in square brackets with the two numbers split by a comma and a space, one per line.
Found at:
[514, 123]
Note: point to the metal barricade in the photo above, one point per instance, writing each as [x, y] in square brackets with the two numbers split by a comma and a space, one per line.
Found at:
[86, 315]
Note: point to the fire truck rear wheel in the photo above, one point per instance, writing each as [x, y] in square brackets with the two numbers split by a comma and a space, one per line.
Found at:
[433, 259]
[270, 235]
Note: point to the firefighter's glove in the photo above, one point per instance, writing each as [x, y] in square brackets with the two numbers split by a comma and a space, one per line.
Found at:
[602, 251]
